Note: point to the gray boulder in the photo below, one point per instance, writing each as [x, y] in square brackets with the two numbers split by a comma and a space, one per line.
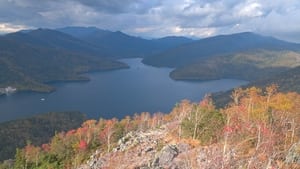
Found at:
[165, 157]
[293, 155]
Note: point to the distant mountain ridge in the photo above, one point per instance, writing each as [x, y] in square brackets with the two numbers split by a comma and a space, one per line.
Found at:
[29, 60]
[122, 45]
[81, 32]
[63, 53]
[48, 38]
[250, 65]
[218, 45]
[246, 56]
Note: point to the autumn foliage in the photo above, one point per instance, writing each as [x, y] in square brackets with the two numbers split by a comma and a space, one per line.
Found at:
[255, 130]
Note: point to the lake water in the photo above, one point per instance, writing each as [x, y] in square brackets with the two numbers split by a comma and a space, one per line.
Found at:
[115, 93]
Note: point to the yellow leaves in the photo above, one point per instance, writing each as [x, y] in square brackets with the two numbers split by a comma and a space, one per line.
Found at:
[262, 116]
[191, 142]
[182, 109]
[32, 152]
[89, 124]
[282, 102]
[259, 103]
[253, 92]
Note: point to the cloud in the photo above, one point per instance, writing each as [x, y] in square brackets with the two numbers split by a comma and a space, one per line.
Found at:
[253, 9]
[120, 6]
[154, 18]
[7, 28]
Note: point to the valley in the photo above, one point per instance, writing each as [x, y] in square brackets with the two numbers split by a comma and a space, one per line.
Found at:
[137, 84]
[90, 73]
[149, 88]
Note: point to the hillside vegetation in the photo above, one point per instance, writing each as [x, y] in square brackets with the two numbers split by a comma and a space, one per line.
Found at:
[35, 130]
[250, 66]
[288, 81]
[218, 45]
[259, 129]
[29, 60]
[247, 56]
[29, 66]
[48, 38]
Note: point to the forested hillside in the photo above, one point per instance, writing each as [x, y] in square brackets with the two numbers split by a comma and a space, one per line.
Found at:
[27, 63]
[247, 56]
[35, 130]
[218, 45]
[252, 65]
[288, 81]
[258, 129]
[29, 60]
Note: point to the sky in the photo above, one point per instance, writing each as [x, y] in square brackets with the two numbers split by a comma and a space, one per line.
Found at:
[158, 18]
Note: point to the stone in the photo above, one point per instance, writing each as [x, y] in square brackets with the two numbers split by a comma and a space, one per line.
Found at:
[183, 147]
[165, 156]
[293, 155]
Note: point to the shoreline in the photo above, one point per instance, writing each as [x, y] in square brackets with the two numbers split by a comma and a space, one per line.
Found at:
[47, 87]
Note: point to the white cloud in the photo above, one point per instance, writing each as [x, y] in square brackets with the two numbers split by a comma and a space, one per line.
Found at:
[8, 28]
[155, 18]
[253, 9]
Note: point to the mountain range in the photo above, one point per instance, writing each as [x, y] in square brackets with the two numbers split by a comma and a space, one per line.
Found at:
[28, 65]
[122, 45]
[31, 59]
[246, 56]
[218, 45]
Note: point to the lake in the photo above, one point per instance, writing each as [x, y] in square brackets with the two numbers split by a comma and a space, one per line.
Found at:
[115, 93]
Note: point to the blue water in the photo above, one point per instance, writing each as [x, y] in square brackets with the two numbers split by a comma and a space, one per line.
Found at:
[115, 93]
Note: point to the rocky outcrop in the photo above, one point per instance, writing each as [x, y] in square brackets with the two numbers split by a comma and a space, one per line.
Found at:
[155, 149]
[146, 140]
[134, 150]
[293, 155]
[165, 157]
[94, 162]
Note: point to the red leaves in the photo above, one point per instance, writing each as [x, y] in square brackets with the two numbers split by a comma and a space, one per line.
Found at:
[204, 103]
[228, 129]
[82, 145]
[46, 147]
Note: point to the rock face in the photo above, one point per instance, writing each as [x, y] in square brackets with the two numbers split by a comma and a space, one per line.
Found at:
[293, 155]
[133, 139]
[135, 150]
[165, 157]
[154, 150]
[94, 162]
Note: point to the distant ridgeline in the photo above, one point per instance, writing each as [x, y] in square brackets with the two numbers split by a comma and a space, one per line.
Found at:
[31, 59]
[64, 54]
[245, 56]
